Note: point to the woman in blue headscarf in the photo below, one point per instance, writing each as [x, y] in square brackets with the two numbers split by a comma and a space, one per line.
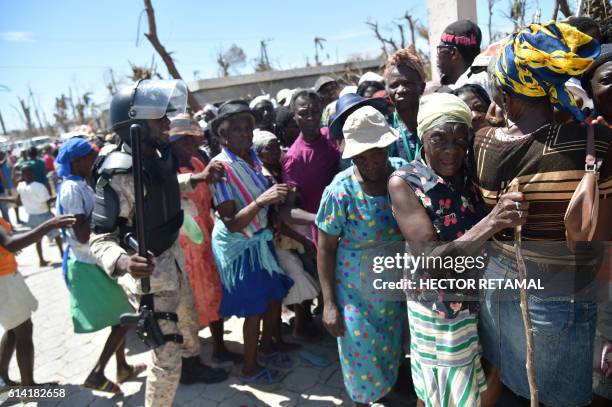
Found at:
[96, 301]
[548, 160]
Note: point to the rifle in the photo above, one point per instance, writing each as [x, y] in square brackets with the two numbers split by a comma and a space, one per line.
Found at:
[145, 319]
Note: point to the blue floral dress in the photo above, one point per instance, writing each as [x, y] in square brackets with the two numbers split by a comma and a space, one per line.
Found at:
[371, 348]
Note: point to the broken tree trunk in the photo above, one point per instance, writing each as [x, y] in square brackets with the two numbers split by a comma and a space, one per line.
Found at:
[165, 56]
[522, 275]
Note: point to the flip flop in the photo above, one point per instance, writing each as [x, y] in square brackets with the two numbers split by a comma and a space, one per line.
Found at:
[106, 386]
[314, 359]
[264, 377]
[135, 371]
[278, 360]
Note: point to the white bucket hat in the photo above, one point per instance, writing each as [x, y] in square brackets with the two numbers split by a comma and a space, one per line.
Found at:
[365, 129]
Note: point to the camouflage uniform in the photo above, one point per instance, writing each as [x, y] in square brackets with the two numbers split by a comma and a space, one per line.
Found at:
[172, 293]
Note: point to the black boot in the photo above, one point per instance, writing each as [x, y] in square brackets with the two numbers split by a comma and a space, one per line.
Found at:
[194, 371]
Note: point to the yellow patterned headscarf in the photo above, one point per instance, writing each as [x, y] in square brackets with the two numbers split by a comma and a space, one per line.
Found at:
[537, 61]
[439, 108]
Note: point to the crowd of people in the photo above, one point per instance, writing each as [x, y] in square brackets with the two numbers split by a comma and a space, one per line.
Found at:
[252, 207]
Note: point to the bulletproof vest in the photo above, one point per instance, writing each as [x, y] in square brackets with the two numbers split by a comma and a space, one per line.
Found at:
[162, 216]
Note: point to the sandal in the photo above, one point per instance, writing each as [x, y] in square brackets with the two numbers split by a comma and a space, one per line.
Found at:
[106, 386]
[265, 376]
[134, 371]
[278, 360]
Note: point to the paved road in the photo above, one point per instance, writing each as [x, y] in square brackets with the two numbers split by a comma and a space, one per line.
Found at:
[67, 357]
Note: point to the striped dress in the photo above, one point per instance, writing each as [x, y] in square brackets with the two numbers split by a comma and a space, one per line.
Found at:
[246, 260]
[445, 357]
[444, 347]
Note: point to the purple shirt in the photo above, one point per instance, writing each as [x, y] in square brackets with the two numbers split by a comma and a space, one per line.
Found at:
[310, 167]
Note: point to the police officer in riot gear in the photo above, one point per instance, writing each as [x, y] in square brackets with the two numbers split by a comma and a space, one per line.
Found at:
[177, 356]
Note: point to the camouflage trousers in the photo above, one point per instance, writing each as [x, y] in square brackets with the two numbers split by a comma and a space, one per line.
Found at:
[163, 377]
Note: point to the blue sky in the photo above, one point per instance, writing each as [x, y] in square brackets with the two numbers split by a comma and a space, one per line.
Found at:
[54, 46]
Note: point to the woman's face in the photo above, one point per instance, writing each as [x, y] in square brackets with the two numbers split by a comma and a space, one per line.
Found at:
[372, 164]
[185, 148]
[601, 84]
[239, 133]
[478, 108]
[84, 165]
[445, 146]
[405, 87]
[271, 153]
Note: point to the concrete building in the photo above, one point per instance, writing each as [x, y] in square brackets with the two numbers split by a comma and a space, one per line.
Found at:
[441, 13]
[248, 86]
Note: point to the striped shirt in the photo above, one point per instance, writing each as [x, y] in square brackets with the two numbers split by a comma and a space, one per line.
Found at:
[243, 185]
[549, 165]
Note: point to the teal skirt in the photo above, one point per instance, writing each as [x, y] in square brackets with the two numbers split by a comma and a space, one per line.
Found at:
[96, 300]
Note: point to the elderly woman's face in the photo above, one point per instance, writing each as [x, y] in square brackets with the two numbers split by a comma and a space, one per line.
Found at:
[239, 133]
[601, 83]
[271, 153]
[445, 146]
[372, 164]
[405, 87]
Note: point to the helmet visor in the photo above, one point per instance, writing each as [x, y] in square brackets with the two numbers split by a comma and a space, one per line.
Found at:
[156, 98]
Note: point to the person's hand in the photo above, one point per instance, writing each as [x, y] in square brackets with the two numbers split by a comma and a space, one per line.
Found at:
[511, 210]
[214, 172]
[332, 320]
[276, 194]
[58, 222]
[495, 116]
[135, 265]
[602, 121]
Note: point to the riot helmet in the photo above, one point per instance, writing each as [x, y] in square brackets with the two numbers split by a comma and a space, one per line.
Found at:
[146, 99]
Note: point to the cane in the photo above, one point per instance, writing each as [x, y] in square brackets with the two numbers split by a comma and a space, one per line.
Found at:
[522, 275]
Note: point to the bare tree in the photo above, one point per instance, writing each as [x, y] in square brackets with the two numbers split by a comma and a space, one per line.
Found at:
[27, 115]
[412, 27]
[61, 112]
[598, 10]
[36, 112]
[165, 55]
[386, 44]
[516, 13]
[423, 31]
[111, 84]
[263, 63]
[565, 8]
[233, 58]
[2, 124]
[318, 43]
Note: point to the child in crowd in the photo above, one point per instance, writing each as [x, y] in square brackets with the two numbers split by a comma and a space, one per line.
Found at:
[35, 199]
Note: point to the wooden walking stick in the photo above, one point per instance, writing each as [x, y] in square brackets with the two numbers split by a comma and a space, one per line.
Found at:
[522, 275]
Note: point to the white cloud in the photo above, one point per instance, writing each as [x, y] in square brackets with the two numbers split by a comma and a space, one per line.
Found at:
[17, 36]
